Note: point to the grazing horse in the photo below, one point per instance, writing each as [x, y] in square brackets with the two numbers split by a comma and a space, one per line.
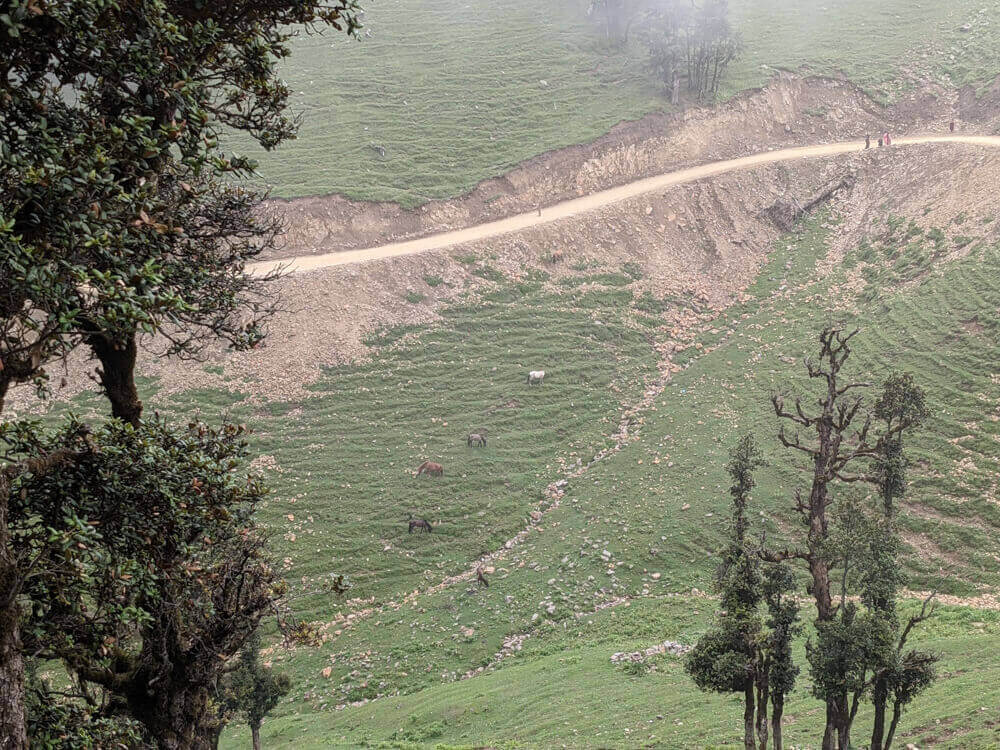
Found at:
[476, 440]
[535, 377]
[481, 578]
[431, 469]
[419, 523]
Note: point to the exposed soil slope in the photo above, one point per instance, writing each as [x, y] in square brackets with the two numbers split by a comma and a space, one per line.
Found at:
[592, 202]
[791, 111]
[706, 236]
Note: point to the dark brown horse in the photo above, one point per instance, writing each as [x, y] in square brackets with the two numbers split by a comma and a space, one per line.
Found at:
[419, 523]
[481, 578]
[430, 468]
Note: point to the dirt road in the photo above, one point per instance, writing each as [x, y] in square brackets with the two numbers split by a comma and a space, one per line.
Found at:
[590, 202]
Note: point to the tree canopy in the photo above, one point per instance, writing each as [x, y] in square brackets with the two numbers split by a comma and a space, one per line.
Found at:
[123, 223]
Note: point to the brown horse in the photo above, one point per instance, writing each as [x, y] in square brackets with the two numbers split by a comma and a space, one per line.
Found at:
[419, 523]
[431, 469]
[481, 578]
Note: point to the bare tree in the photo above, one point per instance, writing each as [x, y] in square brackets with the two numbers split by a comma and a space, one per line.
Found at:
[846, 438]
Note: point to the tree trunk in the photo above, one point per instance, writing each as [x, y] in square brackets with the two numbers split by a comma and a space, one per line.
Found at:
[13, 732]
[212, 735]
[843, 728]
[748, 717]
[830, 732]
[819, 568]
[778, 708]
[897, 711]
[762, 695]
[117, 375]
[255, 734]
[174, 711]
[836, 715]
[880, 694]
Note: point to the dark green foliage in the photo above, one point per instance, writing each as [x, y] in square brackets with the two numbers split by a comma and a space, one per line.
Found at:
[121, 217]
[725, 658]
[155, 571]
[902, 403]
[782, 624]
[722, 660]
[742, 653]
[740, 578]
[852, 648]
[895, 677]
[55, 723]
[113, 216]
[844, 651]
[252, 690]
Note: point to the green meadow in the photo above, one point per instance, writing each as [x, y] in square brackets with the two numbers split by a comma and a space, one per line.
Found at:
[642, 525]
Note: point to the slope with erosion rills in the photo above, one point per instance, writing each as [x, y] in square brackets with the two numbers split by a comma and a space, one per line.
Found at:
[641, 526]
[705, 239]
[702, 239]
[789, 111]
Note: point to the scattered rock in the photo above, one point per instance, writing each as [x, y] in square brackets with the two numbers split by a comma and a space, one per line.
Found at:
[667, 647]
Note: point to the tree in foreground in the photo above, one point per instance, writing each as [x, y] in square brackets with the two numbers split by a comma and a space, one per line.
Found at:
[857, 651]
[741, 653]
[163, 573]
[120, 217]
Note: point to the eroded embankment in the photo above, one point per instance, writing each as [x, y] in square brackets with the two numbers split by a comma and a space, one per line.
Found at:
[706, 238]
[791, 111]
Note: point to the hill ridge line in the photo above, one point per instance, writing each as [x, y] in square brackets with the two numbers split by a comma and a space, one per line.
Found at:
[587, 203]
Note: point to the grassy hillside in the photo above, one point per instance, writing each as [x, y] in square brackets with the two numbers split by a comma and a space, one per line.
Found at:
[456, 93]
[341, 463]
[567, 693]
[874, 44]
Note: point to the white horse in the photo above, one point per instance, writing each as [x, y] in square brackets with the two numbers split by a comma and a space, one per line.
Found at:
[535, 377]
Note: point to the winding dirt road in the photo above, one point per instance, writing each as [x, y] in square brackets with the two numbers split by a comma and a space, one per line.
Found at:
[590, 202]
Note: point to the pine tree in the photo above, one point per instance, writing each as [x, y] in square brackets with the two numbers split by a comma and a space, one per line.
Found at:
[741, 653]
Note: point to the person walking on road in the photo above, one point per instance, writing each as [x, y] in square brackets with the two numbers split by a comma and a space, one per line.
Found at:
[868, 142]
[951, 126]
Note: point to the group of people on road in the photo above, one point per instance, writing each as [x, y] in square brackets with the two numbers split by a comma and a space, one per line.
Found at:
[885, 139]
